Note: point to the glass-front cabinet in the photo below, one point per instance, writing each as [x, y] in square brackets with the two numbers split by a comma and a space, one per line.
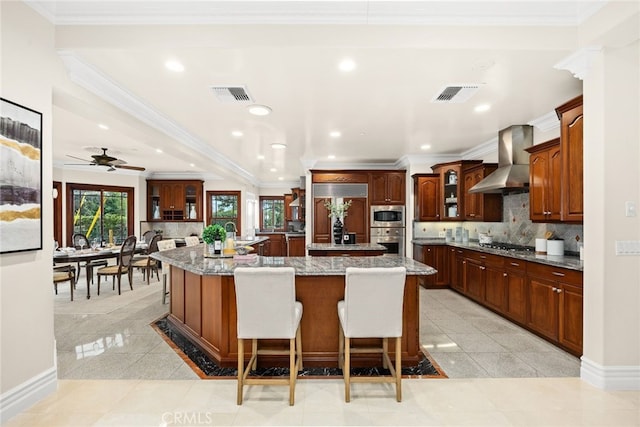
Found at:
[452, 194]
[174, 200]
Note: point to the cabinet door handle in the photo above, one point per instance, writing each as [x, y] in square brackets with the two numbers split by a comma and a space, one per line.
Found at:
[555, 273]
[515, 264]
[464, 262]
[483, 256]
[554, 289]
[504, 274]
[483, 267]
[558, 290]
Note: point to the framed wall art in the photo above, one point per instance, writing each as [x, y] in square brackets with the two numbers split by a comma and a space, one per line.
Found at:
[20, 178]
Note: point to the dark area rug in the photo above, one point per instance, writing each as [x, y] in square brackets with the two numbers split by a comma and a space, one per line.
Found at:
[209, 369]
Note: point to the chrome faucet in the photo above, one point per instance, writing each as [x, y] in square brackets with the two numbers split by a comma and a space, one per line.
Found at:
[235, 229]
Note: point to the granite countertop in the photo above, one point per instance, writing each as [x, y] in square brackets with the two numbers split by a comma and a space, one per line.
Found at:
[304, 266]
[341, 247]
[567, 261]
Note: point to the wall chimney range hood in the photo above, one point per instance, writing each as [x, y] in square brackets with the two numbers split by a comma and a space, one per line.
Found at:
[513, 162]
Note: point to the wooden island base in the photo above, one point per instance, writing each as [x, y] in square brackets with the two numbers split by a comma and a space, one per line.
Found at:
[203, 308]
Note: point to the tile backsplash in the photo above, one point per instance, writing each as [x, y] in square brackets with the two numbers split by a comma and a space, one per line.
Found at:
[173, 229]
[515, 228]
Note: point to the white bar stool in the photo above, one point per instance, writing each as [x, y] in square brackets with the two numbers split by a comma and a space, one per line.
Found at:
[372, 308]
[165, 245]
[267, 309]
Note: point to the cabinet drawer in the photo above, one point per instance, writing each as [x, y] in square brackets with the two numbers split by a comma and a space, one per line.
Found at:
[557, 274]
[515, 264]
[485, 258]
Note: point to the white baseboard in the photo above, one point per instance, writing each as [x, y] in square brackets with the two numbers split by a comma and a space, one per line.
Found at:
[23, 396]
[610, 377]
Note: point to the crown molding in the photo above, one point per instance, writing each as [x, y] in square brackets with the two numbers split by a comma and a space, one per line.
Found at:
[481, 151]
[546, 122]
[96, 82]
[579, 62]
[433, 12]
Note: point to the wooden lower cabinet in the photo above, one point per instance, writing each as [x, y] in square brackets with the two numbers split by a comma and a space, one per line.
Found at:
[555, 305]
[515, 278]
[295, 246]
[544, 299]
[456, 269]
[436, 256]
[275, 246]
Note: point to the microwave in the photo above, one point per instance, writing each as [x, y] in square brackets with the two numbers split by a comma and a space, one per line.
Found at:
[387, 216]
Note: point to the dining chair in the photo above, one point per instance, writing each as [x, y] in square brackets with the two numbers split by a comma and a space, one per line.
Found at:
[267, 309]
[372, 308]
[80, 241]
[64, 273]
[165, 245]
[146, 263]
[122, 267]
[192, 240]
[147, 236]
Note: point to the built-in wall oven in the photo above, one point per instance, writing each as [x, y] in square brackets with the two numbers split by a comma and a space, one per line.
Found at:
[387, 228]
[391, 238]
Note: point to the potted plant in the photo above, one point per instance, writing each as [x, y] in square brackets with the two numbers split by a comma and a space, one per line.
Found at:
[213, 235]
[338, 210]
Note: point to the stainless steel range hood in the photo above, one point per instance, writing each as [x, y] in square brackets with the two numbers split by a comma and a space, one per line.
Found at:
[513, 162]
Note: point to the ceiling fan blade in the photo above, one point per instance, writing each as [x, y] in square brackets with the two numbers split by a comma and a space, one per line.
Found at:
[134, 168]
[78, 158]
[117, 162]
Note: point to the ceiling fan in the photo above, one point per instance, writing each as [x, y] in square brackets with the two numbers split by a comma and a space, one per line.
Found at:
[106, 160]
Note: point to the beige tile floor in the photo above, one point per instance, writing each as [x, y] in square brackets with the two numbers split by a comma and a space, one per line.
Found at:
[114, 370]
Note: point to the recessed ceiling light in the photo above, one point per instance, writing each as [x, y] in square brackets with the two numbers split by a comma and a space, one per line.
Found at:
[335, 134]
[192, 165]
[236, 133]
[260, 157]
[103, 126]
[425, 147]
[482, 108]
[273, 170]
[280, 178]
[331, 156]
[347, 65]
[159, 151]
[259, 110]
[174, 66]
[278, 146]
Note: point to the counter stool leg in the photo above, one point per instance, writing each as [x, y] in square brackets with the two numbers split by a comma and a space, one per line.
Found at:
[240, 369]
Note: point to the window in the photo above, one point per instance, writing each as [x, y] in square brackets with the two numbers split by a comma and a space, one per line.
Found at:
[224, 207]
[271, 213]
[99, 212]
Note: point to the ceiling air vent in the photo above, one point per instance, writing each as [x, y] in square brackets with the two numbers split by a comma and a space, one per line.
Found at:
[231, 94]
[456, 93]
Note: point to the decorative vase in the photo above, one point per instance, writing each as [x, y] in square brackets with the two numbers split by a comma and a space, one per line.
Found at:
[337, 231]
[192, 212]
[156, 212]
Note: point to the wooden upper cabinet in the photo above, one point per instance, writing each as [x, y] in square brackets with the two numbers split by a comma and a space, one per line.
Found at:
[288, 215]
[426, 191]
[452, 187]
[571, 144]
[174, 200]
[480, 206]
[387, 188]
[342, 176]
[545, 181]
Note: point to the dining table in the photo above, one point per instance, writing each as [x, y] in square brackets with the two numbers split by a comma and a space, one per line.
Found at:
[72, 255]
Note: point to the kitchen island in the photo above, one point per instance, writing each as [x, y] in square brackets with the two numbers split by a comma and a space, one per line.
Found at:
[203, 305]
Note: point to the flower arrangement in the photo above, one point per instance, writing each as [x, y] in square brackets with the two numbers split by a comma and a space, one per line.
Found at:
[213, 232]
[338, 210]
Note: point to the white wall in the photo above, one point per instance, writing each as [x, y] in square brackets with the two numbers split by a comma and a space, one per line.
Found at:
[612, 153]
[27, 360]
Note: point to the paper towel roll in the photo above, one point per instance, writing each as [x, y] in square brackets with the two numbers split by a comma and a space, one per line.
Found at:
[541, 246]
